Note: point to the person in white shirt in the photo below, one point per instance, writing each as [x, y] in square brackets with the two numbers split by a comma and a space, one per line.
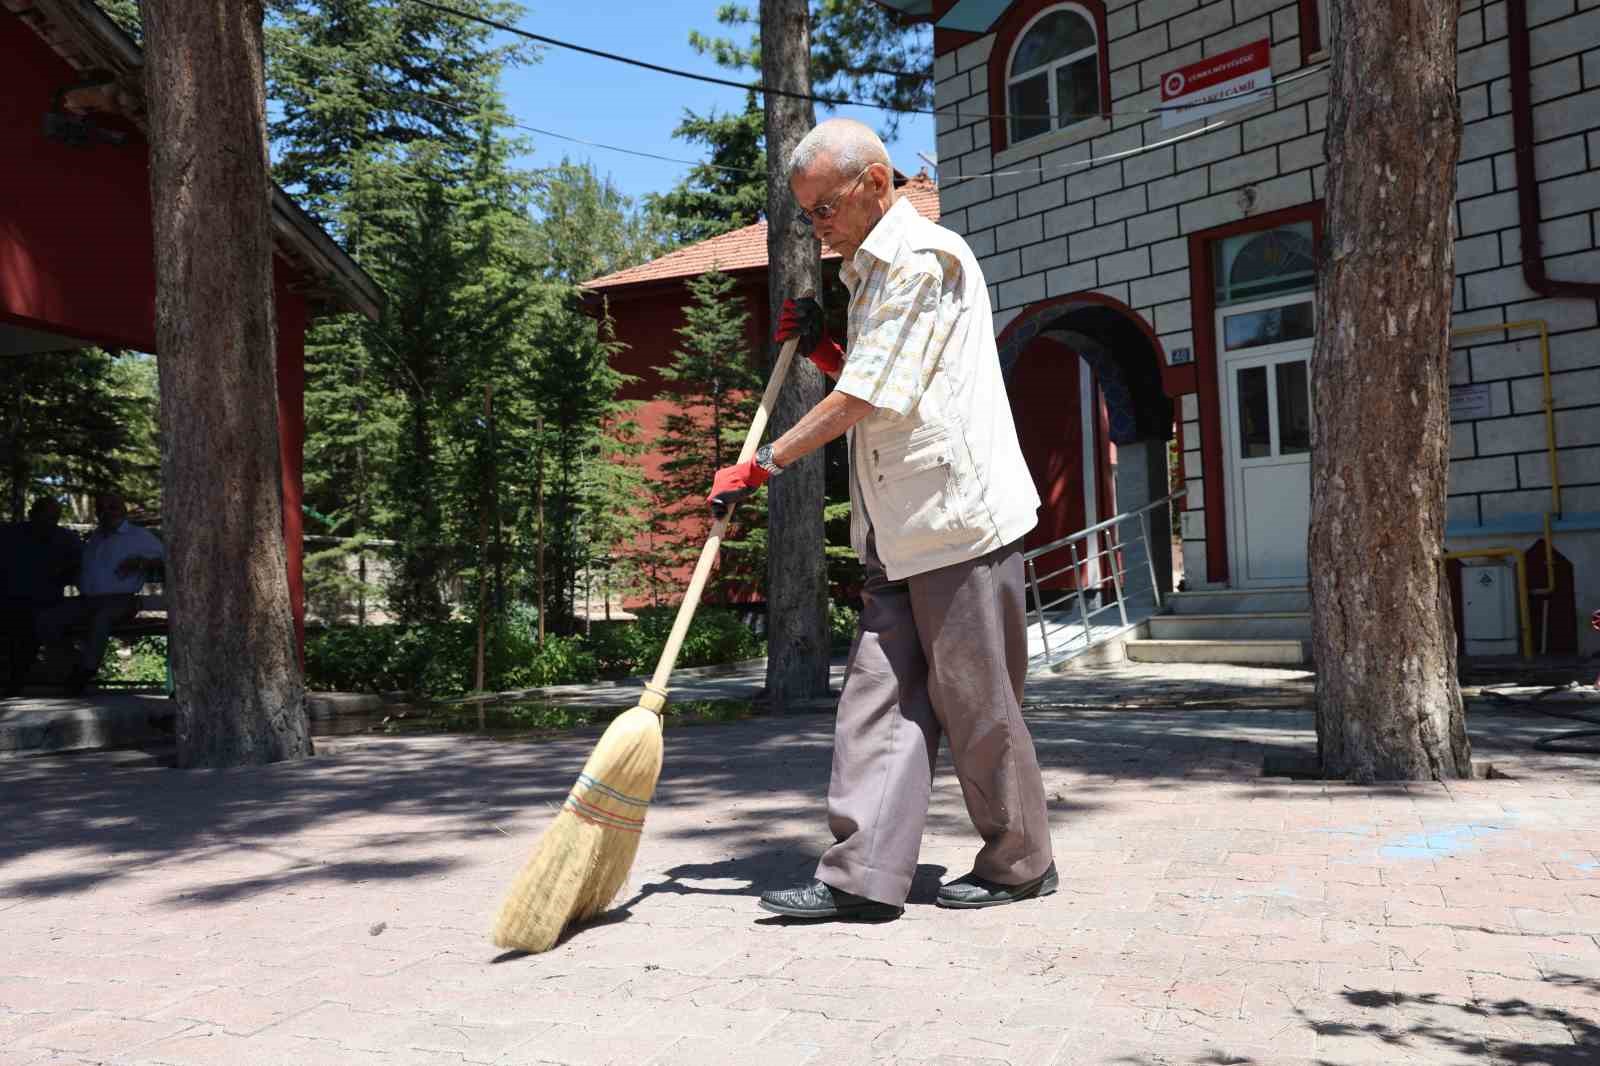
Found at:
[940, 500]
[117, 556]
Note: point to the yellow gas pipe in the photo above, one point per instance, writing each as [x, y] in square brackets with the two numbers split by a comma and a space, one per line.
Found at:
[1523, 592]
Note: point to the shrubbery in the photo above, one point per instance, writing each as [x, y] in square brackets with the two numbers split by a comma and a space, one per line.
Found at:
[439, 661]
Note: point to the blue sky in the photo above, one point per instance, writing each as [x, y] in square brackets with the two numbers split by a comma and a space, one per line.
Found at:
[598, 100]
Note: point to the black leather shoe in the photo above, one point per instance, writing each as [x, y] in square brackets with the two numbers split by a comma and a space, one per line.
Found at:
[819, 900]
[974, 891]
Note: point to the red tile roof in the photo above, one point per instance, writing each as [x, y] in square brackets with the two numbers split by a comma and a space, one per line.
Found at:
[741, 249]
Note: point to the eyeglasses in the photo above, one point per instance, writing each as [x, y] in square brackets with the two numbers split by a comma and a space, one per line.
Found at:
[828, 208]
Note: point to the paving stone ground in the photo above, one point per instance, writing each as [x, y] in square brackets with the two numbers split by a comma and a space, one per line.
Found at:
[335, 911]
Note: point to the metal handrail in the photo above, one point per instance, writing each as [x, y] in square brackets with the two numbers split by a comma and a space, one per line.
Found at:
[1115, 547]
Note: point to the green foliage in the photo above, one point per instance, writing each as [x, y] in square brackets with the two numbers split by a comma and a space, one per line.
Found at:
[716, 636]
[842, 622]
[726, 191]
[861, 51]
[581, 230]
[353, 78]
[76, 422]
[713, 388]
[438, 661]
[145, 661]
[125, 13]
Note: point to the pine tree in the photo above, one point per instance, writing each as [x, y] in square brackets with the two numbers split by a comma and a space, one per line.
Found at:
[381, 130]
[726, 191]
[583, 229]
[861, 51]
[715, 388]
[75, 422]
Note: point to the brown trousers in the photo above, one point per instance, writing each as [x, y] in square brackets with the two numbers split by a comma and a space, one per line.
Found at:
[940, 653]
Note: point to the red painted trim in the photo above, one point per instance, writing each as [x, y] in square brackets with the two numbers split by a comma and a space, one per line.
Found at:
[1006, 32]
[291, 374]
[88, 336]
[1202, 308]
[1105, 486]
[1310, 29]
[945, 41]
[1062, 303]
[1177, 437]
[1528, 207]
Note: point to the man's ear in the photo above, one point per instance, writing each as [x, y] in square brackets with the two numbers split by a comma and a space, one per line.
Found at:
[882, 176]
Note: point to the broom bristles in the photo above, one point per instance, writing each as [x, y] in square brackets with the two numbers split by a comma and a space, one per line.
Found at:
[584, 856]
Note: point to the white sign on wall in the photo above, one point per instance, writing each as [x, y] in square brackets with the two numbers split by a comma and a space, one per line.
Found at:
[1233, 79]
[1468, 402]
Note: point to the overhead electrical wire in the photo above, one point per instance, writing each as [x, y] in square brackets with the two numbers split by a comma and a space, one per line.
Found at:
[831, 101]
[943, 181]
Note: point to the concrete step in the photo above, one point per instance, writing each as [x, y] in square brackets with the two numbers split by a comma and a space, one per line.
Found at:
[1253, 626]
[1240, 601]
[1249, 652]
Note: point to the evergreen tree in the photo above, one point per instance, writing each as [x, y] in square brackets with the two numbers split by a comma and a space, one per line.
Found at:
[862, 51]
[715, 389]
[583, 229]
[385, 113]
[75, 422]
[729, 189]
[351, 78]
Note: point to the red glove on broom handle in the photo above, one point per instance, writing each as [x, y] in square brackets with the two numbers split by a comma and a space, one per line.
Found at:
[802, 320]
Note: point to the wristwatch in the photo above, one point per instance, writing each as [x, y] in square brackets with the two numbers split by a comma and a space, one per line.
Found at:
[765, 462]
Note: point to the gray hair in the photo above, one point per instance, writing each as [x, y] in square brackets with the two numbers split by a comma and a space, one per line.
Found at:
[850, 145]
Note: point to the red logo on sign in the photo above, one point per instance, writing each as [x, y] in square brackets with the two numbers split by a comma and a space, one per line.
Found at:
[1197, 77]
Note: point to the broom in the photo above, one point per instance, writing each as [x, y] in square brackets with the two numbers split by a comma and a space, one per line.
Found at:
[585, 855]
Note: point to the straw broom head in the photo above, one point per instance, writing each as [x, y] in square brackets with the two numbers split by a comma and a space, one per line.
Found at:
[586, 853]
[584, 857]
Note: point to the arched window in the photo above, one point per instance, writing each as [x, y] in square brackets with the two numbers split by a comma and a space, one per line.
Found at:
[1253, 266]
[1054, 70]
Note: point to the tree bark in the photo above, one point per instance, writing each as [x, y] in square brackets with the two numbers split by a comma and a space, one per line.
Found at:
[241, 697]
[1388, 704]
[797, 575]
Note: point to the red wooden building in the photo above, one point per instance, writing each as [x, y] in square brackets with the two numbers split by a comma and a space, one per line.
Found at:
[76, 248]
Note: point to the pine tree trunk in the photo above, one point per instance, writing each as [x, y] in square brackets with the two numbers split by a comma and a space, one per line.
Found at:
[241, 698]
[797, 576]
[1388, 705]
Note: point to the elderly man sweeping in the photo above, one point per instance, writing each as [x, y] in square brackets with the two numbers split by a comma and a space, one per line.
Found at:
[940, 500]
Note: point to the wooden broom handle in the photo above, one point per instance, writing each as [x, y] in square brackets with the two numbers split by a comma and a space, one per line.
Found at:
[708, 554]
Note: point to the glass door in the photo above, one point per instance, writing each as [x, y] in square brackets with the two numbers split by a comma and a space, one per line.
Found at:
[1265, 367]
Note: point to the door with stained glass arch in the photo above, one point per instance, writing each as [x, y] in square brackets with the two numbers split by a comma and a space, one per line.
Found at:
[1265, 325]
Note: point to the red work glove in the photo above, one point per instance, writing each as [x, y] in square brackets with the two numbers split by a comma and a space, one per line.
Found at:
[802, 319]
[734, 483]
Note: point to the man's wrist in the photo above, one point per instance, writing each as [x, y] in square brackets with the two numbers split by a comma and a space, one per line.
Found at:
[766, 462]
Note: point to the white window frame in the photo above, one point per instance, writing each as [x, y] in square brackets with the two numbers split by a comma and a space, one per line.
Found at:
[1049, 71]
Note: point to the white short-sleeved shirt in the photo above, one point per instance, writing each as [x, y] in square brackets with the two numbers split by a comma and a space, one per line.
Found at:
[104, 552]
[936, 468]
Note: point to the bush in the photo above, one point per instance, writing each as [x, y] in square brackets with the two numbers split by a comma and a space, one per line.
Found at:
[716, 636]
[842, 622]
[439, 661]
[145, 663]
[388, 658]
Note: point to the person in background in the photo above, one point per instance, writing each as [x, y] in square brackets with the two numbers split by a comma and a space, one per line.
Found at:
[37, 558]
[116, 558]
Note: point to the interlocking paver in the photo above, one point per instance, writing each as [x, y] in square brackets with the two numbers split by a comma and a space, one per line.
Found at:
[335, 911]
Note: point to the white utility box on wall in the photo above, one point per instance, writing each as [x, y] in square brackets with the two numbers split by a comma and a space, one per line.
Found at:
[1489, 607]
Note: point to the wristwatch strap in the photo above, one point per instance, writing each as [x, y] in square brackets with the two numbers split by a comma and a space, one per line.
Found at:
[764, 460]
